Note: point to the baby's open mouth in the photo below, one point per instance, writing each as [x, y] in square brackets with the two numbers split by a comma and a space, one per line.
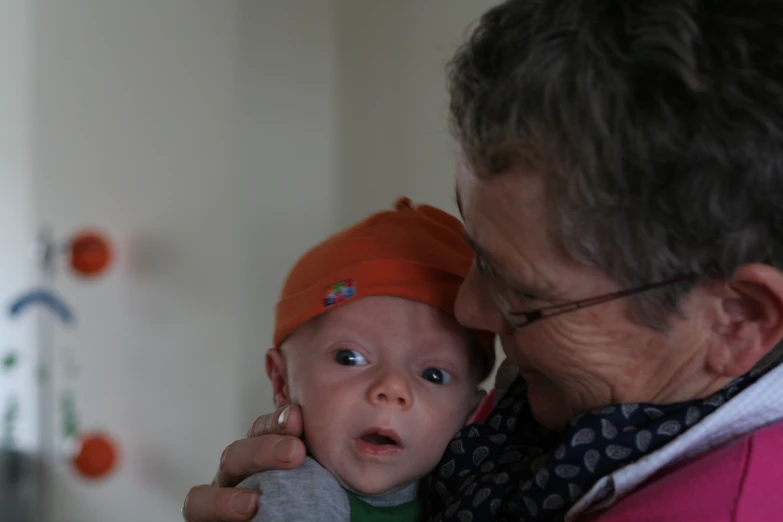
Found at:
[381, 437]
[377, 439]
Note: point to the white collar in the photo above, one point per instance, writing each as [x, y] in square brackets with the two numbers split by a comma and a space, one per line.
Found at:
[756, 406]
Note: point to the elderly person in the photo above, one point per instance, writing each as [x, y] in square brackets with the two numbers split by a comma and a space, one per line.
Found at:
[621, 181]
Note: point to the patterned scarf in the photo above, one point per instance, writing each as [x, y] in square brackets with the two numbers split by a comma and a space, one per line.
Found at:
[512, 468]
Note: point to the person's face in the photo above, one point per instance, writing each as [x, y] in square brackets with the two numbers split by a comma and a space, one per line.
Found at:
[384, 384]
[579, 360]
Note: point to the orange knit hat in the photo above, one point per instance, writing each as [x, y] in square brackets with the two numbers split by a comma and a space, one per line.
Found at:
[417, 253]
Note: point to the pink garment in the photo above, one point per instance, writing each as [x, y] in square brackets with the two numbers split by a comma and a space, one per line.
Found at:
[484, 409]
[740, 482]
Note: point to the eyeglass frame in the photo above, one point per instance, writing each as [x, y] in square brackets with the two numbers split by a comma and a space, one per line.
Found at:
[538, 314]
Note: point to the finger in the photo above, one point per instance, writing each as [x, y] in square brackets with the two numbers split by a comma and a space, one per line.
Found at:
[248, 456]
[285, 421]
[209, 504]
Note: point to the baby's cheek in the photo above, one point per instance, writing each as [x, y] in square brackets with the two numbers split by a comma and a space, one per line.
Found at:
[297, 391]
[445, 422]
[308, 392]
[326, 410]
[319, 435]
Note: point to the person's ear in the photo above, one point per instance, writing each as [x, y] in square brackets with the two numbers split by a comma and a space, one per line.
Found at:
[749, 321]
[276, 370]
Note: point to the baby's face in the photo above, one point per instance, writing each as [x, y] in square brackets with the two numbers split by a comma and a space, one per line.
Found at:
[384, 384]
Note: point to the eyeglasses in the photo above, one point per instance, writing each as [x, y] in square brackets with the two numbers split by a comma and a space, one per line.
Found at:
[519, 320]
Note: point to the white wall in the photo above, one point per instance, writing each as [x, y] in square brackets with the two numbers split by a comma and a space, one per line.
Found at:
[134, 131]
[394, 127]
[16, 210]
[214, 141]
[288, 77]
[183, 128]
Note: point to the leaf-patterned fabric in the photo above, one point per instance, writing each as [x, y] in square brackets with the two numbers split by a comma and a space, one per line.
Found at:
[513, 469]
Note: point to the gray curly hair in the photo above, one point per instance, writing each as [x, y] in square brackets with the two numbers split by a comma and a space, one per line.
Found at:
[658, 123]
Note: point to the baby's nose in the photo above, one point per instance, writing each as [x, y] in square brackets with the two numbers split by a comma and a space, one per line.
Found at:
[391, 389]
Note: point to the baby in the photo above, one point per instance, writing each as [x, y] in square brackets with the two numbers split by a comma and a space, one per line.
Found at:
[366, 342]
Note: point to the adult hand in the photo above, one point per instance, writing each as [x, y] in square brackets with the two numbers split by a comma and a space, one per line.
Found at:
[272, 443]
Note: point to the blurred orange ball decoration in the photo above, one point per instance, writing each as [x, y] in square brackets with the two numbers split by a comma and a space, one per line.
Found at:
[97, 456]
[90, 253]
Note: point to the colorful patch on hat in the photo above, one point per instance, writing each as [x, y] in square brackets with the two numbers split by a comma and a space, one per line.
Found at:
[340, 292]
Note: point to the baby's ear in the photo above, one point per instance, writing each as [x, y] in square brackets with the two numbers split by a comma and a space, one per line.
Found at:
[276, 370]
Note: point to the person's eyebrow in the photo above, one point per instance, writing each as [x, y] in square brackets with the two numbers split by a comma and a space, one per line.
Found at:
[477, 250]
[489, 259]
[482, 254]
[499, 268]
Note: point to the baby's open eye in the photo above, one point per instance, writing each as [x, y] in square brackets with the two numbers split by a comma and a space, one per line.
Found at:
[436, 375]
[349, 358]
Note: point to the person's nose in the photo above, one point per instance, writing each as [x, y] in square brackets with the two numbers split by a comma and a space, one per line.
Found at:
[391, 389]
[475, 308]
